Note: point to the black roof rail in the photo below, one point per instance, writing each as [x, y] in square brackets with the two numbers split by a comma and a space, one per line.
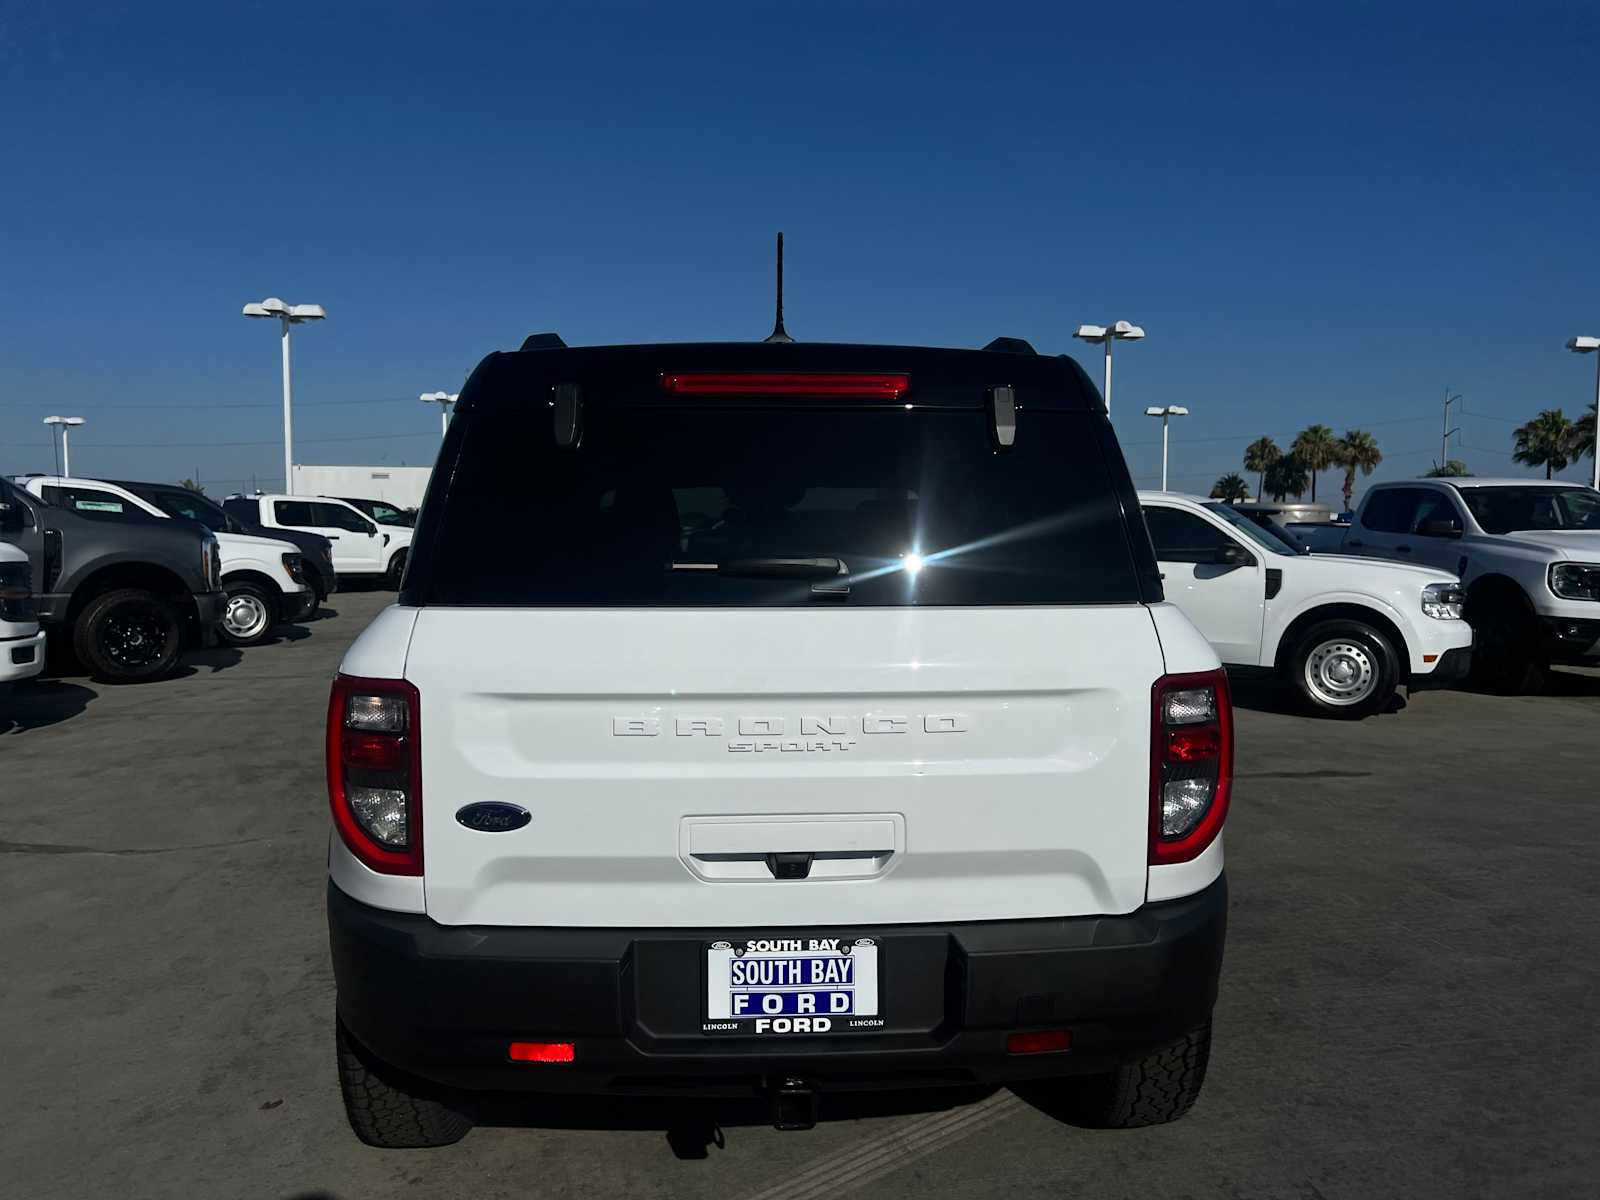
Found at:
[1010, 345]
[543, 341]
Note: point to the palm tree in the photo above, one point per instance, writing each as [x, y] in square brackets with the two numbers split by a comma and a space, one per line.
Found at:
[1358, 451]
[1259, 455]
[1546, 441]
[1286, 477]
[1229, 488]
[1452, 469]
[1583, 437]
[1317, 449]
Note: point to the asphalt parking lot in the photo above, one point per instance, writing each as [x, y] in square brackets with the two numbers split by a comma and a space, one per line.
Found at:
[1408, 1003]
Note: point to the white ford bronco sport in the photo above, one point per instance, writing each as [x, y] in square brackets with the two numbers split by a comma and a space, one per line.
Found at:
[1527, 551]
[829, 732]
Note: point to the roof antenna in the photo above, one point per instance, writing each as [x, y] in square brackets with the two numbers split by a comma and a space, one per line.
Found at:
[779, 334]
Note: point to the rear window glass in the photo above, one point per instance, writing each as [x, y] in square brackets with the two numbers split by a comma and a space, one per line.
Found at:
[915, 504]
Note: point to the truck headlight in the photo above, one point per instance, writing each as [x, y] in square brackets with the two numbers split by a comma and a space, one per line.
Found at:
[1575, 581]
[294, 567]
[1443, 601]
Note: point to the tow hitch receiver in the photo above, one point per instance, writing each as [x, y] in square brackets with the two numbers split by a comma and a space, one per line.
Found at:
[794, 1105]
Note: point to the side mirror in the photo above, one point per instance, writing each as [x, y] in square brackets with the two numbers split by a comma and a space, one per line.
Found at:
[1447, 527]
[1233, 555]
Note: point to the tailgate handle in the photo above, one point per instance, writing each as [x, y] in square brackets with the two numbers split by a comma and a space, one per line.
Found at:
[757, 848]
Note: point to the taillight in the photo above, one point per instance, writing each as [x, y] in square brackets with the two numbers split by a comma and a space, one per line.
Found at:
[787, 383]
[375, 771]
[1191, 772]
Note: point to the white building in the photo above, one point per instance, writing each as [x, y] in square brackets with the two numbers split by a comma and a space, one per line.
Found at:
[403, 486]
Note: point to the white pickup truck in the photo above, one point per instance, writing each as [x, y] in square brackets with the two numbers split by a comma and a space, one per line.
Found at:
[362, 548]
[1527, 552]
[21, 640]
[1344, 632]
[262, 577]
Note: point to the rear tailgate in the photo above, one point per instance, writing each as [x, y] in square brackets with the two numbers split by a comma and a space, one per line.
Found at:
[950, 723]
[941, 764]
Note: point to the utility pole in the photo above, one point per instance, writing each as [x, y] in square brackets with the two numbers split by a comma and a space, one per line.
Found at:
[1444, 440]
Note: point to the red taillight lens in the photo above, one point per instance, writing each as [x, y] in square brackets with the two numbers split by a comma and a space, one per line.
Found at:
[375, 771]
[1191, 769]
[1046, 1042]
[543, 1052]
[787, 383]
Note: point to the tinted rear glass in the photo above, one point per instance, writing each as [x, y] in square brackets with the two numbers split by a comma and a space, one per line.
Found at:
[526, 522]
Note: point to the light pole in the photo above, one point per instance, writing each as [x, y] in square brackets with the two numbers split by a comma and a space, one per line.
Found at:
[1166, 414]
[67, 425]
[1444, 441]
[445, 401]
[287, 314]
[1120, 331]
[1588, 345]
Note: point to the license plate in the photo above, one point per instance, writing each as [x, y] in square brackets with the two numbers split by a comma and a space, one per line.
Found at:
[791, 985]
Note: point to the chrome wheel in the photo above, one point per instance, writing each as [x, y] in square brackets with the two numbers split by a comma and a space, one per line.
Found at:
[1341, 672]
[245, 617]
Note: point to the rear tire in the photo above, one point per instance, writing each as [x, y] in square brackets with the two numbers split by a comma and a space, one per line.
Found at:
[383, 1108]
[1159, 1088]
[128, 635]
[1344, 669]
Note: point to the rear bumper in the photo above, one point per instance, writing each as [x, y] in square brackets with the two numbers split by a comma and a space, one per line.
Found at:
[442, 1003]
[21, 657]
[1452, 667]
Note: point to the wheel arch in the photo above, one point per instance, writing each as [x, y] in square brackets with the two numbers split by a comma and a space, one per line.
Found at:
[1347, 611]
[144, 575]
[1496, 586]
[259, 578]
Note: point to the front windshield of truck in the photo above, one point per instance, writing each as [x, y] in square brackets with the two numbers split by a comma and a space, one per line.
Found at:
[1509, 509]
[1264, 538]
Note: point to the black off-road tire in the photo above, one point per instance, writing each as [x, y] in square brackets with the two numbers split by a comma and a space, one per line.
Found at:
[1158, 1089]
[92, 636]
[1507, 656]
[388, 1110]
[1361, 647]
[396, 571]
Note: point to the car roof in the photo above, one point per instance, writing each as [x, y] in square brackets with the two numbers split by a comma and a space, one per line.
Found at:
[1158, 494]
[1472, 481]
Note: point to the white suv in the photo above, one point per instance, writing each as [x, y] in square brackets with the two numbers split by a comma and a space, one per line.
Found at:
[262, 577]
[1527, 550]
[21, 639]
[1344, 632]
[832, 733]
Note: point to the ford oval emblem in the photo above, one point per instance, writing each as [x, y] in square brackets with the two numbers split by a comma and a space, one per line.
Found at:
[493, 817]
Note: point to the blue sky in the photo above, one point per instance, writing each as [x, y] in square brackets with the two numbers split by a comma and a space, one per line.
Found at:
[1319, 213]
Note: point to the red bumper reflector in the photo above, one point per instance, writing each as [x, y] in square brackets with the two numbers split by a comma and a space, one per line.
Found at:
[546, 1052]
[787, 383]
[1039, 1043]
[1193, 743]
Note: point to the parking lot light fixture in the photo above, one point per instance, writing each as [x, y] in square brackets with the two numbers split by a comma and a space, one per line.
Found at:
[1166, 414]
[67, 424]
[445, 401]
[1117, 331]
[287, 315]
[1588, 345]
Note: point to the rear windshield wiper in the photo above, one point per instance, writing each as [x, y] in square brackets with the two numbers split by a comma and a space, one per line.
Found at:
[770, 568]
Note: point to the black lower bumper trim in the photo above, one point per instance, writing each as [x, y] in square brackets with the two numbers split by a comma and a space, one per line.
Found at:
[443, 1003]
[1453, 666]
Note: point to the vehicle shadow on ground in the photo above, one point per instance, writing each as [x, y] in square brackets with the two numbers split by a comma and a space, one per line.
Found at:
[693, 1127]
[41, 702]
[1267, 696]
[213, 659]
